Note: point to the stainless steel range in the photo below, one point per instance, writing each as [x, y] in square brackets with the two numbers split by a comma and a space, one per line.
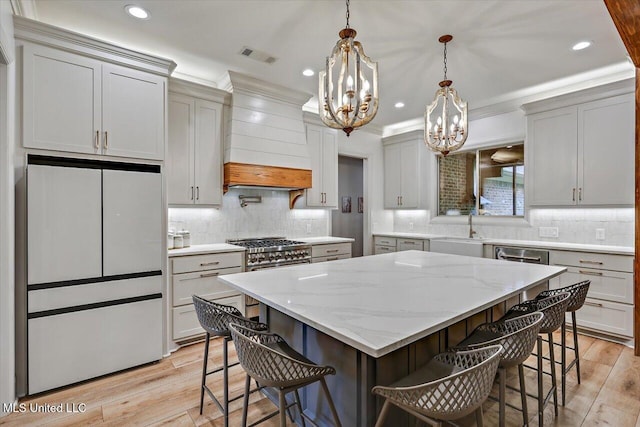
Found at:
[271, 252]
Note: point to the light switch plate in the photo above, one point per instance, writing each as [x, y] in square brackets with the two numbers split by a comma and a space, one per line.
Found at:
[308, 228]
[548, 231]
[410, 226]
[600, 234]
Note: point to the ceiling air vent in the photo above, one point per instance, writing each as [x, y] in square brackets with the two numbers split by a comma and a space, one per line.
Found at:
[257, 55]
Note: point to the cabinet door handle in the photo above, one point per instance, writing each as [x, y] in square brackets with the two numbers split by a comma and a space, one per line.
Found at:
[332, 259]
[398, 201]
[401, 203]
[574, 195]
[204, 264]
[580, 193]
[593, 304]
[590, 273]
[106, 140]
[332, 251]
[197, 193]
[586, 261]
[97, 139]
[209, 274]
[192, 192]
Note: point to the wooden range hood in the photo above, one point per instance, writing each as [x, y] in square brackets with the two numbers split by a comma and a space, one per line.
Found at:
[248, 175]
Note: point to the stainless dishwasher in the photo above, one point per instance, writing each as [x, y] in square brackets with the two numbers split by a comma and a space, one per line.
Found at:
[530, 256]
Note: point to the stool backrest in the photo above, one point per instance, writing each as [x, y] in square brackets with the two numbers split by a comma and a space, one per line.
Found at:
[215, 318]
[578, 292]
[553, 308]
[272, 368]
[516, 335]
[456, 395]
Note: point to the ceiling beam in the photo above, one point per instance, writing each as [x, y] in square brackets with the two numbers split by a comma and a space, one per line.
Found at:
[626, 17]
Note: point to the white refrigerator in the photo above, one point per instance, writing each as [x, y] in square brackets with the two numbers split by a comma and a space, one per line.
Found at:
[94, 260]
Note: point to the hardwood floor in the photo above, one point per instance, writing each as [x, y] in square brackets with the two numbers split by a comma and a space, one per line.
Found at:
[167, 394]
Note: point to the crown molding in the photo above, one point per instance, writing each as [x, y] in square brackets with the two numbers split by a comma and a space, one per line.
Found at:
[195, 79]
[37, 32]
[242, 83]
[196, 90]
[417, 134]
[25, 8]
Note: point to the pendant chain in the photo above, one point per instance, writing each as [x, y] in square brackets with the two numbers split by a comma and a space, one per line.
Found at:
[347, 13]
[445, 61]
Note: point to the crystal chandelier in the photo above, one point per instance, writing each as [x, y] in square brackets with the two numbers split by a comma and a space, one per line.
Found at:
[348, 87]
[446, 126]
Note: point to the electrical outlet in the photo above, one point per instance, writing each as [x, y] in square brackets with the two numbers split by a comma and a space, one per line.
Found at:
[308, 228]
[600, 234]
[548, 231]
[410, 226]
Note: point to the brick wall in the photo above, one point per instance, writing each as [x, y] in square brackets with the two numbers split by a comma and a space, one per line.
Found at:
[456, 183]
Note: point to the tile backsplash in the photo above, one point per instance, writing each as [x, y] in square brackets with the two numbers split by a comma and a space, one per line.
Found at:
[574, 226]
[272, 217]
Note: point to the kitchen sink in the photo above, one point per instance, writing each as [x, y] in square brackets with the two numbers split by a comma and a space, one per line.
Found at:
[457, 246]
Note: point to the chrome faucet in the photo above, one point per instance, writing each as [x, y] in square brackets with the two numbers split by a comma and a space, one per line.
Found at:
[471, 231]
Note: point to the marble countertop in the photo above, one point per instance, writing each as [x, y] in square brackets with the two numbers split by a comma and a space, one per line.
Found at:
[324, 240]
[205, 249]
[380, 303]
[544, 244]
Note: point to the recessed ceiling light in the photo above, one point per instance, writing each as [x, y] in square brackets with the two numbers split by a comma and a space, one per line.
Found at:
[509, 146]
[137, 11]
[581, 45]
[308, 72]
[399, 104]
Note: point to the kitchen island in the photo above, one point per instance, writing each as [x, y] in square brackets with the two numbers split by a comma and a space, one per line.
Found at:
[378, 318]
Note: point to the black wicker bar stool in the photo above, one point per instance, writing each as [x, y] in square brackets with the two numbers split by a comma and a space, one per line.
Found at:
[553, 308]
[578, 294]
[450, 386]
[214, 319]
[517, 336]
[268, 359]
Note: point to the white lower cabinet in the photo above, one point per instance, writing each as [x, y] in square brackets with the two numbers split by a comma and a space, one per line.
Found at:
[384, 245]
[409, 245]
[609, 305]
[197, 275]
[330, 252]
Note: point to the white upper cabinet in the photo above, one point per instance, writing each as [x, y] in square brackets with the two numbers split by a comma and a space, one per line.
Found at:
[194, 163]
[323, 151]
[408, 171]
[82, 95]
[582, 154]
[61, 101]
[132, 113]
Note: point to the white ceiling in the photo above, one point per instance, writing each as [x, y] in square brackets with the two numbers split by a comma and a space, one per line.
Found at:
[499, 47]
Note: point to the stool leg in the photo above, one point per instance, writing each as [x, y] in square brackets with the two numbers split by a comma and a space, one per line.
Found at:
[479, 421]
[554, 383]
[564, 360]
[283, 409]
[540, 389]
[300, 407]
[225, 387]
[245, 403]
[204, 370]
[331, 405]
[523, 396]
[502, 374]
[383, 414]
[575, 344]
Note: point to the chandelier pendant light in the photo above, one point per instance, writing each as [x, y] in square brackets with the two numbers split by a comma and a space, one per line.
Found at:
[446, 125]
[348, 87]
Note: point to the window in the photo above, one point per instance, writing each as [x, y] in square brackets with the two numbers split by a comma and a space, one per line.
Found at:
[496, 174]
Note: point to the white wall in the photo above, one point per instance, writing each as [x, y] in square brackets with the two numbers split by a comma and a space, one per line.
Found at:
[7, 142]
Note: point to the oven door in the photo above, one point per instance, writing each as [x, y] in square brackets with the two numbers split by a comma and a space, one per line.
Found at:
[252, 306]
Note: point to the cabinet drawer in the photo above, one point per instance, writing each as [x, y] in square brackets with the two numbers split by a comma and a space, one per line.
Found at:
[605, 285]
[379, 249]
[185, 320]
[409, 244]
[384, 241]
[592, 260]
[185, 264]
[204, 284]
[330, 258]
[604, 316]
[331, 250]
